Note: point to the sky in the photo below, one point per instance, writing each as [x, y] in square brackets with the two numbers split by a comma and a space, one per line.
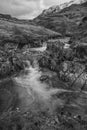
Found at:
[27, 9]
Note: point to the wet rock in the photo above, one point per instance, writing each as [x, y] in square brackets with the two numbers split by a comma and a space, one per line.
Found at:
[44, 78]
[81, 50]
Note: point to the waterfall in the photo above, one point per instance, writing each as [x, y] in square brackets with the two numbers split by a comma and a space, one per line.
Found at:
[39, 91]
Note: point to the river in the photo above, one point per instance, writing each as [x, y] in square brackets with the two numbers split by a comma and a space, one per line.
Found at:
[28, 92]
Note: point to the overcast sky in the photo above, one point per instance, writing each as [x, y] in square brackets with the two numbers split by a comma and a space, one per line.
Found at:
[26, 9]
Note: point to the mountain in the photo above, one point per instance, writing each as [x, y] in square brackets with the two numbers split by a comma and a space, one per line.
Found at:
[13, 30]
[65, 19]
[68, 19]
[57, 8]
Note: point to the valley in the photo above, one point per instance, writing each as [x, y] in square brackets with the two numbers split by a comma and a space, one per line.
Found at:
[43, 70]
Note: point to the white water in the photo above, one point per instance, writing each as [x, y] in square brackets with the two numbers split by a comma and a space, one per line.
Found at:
[40, 92]
[40, 49]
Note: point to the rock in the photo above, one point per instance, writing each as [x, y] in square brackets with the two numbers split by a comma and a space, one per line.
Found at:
[81, 50]
[44, 78]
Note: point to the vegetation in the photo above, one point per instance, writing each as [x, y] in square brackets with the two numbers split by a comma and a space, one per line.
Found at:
[62, 68]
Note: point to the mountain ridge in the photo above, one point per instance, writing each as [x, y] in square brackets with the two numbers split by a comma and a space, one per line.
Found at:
[67, 21]
[57, 8]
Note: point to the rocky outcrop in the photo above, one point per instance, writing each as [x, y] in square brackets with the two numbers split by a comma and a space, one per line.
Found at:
[69, 63]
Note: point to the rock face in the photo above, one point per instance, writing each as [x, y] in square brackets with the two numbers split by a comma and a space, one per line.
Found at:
[66, 19]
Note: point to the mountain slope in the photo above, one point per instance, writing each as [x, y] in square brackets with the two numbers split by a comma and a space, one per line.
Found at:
[22, 32]
[66, 20]
[57, 8]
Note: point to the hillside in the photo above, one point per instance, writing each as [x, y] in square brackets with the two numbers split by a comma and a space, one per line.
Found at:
[22, 32]
[58, 8]
[43, 70]
[66, 20]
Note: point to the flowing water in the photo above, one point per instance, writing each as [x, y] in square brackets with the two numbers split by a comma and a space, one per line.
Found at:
[38, 92]
[41, 96]
[31, 93]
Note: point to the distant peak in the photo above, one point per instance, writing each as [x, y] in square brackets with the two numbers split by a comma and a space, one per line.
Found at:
[67, 4]
[57, 8]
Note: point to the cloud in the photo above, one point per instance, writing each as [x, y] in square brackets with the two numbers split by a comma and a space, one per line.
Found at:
[19, 8]
[49, 3]
[26, 9]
